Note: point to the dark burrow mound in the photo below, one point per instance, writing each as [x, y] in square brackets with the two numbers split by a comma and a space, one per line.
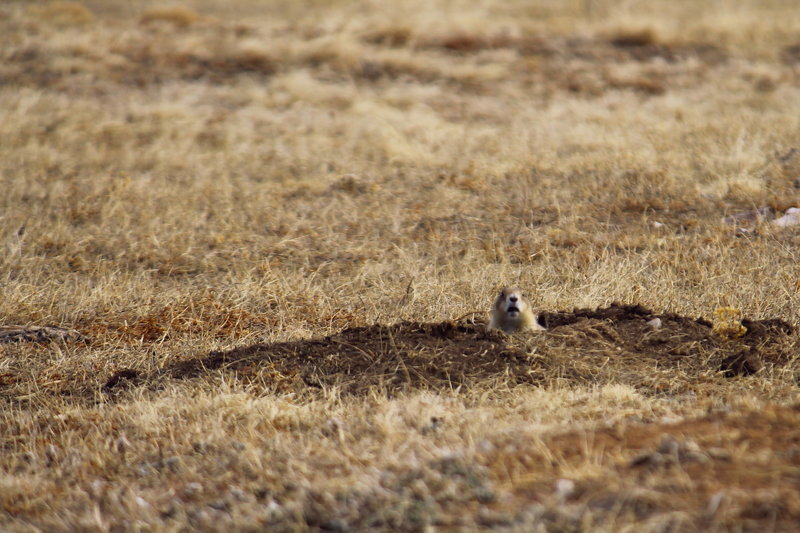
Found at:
[617, 344]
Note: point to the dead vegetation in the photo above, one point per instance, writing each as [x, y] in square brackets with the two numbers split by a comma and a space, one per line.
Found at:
[248, 248]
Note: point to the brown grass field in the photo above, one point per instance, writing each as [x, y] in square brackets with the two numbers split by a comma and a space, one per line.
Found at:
[276, 227]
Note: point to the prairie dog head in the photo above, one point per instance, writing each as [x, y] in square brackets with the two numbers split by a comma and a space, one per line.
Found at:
[511, 302]
[512, 312]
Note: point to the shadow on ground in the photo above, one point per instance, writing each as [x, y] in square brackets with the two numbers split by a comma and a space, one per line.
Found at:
[614, 344]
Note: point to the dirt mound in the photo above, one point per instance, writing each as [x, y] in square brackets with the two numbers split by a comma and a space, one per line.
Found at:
[617, 344]
[621, 344]
[408, 354]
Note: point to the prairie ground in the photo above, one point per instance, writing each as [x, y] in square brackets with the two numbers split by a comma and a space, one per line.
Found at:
[275, 228]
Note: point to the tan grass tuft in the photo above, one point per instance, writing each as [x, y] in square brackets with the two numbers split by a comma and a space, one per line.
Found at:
[64, 13]
[179, 16]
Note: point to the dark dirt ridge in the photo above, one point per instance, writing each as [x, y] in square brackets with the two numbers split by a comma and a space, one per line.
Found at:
[613, 344]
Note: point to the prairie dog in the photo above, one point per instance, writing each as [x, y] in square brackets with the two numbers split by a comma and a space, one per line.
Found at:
[512, 312]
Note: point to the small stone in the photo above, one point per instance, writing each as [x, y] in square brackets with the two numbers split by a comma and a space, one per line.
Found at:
[654, 323]
[790, 218]
[192, 489]
[274, 511]
[141, 502]
[564, 488]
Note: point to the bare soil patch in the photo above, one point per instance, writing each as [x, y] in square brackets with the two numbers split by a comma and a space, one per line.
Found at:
[735, 470]
[606, 345]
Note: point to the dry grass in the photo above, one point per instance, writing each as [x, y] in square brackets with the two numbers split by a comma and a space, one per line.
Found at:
[217, 177]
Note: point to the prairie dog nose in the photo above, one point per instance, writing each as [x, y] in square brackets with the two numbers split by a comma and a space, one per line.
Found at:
[512, 299]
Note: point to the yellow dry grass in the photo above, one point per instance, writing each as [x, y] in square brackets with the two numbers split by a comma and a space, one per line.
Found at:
[180, 179]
